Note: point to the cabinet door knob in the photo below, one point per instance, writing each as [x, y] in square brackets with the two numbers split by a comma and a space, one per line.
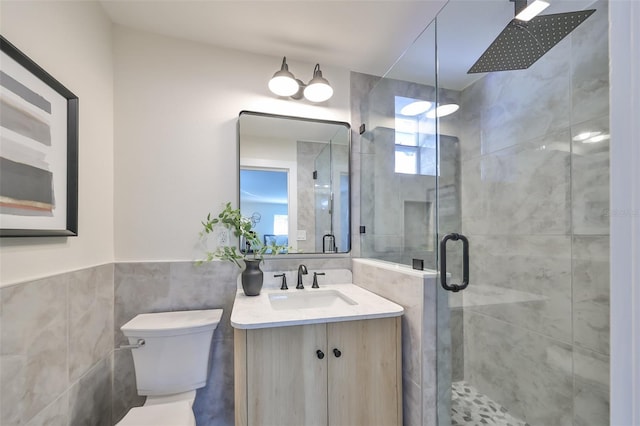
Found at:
[320, 354]
[337, 353]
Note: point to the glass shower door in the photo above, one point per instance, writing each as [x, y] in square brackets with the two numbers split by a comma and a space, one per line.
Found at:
[323, 201]
[517, 175]
[526, 342]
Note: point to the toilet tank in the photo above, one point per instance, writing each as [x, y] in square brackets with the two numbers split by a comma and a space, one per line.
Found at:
[175, 355]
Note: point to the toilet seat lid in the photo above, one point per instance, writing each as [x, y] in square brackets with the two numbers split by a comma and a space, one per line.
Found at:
[170, 414]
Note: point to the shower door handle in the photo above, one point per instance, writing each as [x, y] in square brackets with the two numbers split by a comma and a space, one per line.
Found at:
[465, 262]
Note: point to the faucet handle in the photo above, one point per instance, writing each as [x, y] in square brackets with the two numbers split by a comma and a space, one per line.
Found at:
[284, 281]
[315, 279]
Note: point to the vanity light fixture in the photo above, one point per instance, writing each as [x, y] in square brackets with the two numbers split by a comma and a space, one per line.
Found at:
[284, 83]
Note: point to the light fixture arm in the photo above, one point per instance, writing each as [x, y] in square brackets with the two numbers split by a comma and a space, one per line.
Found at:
[316, 71]
[284, 66]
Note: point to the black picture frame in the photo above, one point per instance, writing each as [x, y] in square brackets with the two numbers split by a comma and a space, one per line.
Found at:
[31, 218]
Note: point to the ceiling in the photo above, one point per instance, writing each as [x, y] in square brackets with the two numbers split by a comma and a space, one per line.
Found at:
[366, 36]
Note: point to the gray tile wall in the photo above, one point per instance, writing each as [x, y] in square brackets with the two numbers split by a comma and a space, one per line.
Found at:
[56, 349]
[535, 208]
[417, 294]
[58, 363]
[174, 286]
[385, 197]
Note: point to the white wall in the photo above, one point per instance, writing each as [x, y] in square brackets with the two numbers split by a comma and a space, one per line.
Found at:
[71, 41]
[624, 28]
[176, 109]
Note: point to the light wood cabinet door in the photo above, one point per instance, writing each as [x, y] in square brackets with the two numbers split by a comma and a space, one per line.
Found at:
[286, 380]
[365, 380]
[281, 381]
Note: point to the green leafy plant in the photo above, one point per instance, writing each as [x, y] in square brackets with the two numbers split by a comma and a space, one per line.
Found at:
[242, 228]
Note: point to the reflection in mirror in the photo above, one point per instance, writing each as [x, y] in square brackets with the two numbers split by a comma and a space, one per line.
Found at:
[294, 181]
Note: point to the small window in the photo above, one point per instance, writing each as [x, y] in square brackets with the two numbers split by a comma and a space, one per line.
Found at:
[407, 159]
[415, 141]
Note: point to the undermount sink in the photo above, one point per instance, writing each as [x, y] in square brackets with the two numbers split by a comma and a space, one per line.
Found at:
[309, 299]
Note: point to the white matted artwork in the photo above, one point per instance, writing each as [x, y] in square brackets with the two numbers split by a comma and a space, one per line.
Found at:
[38, 150]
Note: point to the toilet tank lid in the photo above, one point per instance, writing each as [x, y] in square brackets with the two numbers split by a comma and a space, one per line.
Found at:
[177, 322]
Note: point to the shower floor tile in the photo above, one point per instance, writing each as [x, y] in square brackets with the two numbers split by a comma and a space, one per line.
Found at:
[471, 408]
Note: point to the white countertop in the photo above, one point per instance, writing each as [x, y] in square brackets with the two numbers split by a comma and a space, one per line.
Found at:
[256, 312]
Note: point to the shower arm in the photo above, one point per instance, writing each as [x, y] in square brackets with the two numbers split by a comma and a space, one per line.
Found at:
[519, 6]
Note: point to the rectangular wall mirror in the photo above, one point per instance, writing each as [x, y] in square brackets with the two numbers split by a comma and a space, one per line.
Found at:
[294, 181]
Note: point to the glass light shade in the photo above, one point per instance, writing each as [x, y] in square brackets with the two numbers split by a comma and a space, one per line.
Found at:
[318, 91]
[443, 110]
[283, 83]
[415, 108]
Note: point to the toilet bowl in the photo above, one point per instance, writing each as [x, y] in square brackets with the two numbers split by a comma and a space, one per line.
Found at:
[171, 356]
[177, 413]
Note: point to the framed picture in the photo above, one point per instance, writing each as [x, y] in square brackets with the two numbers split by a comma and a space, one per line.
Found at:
[38, 150]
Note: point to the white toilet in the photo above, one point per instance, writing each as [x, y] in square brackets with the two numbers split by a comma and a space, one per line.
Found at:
[171, 357]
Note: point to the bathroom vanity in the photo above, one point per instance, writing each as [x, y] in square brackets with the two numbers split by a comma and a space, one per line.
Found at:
[305, 364]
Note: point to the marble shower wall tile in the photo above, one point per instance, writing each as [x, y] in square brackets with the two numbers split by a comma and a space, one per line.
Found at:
[438, 322]
[507, 117]
[591, 388]
[411, 402]
[360, 87]
[416, 292]
[470, 134]
[591, 292]
[457, 344]
[524, 189]
[528, 279]
[590, 177]
[383, 194]
[590, 66]
[361, 198]
[407, 291]
[528, 373]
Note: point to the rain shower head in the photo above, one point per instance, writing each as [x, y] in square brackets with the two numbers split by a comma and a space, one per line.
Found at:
[521, 43]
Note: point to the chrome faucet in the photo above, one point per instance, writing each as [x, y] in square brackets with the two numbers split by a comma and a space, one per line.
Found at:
[302, 270]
